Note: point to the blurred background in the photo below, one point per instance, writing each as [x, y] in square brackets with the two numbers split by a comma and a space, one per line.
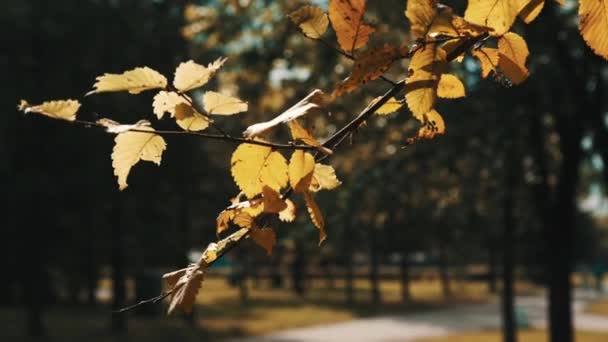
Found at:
[511, 200]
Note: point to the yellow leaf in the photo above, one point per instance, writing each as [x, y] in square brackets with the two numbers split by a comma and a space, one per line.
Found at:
[116, 128]
[497, 14]
[310, 102]
[450, 87]
[165, 102]
[593, 23]
[315, 216]
[223, 220]
[421, 14]
[254, 166]
[134, 81]
[488, 60]
[433, 125]
[272, 201]
[323, 178]
[131, 147]
[190, 75]
[60, 109]
[265, 238]
[390, 106]
[189, 119]
[530, 9]
[426, 66]
[370, 65]
[219, 104]
[347, 20]
[298, 132]
[301, 168]
[512, 55]
[289, 213]
[311, 20]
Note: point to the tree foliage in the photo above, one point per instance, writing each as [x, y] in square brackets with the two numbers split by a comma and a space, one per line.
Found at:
[269, 173]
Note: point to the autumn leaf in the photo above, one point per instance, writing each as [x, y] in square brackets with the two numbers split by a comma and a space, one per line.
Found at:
[390, 106]
[185, 289]
[311, 20]
[488, 60]
[512, 55]
[59, 109]
[312, 101]
[497, 14]
[254, 166]
[323, 178]
[433, 125]
[425, 69]
[189, 119]
[593, 23]
[530, 9]
[346, 18]
[450, 87]
[219, 104]
[298, 132]
[369, 66]
[272, 201]
[244, 220]
[116, 128]
[134, 81]
[131, 147]
[421, 14]
[190, 75]
[301, 168]
[289, 213]
[165, 102]
[265, 238]
[430, 19]
[315, 216]
[223, 220]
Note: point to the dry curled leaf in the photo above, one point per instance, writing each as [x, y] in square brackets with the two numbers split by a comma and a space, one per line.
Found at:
[311, 20]
[131, 147]
[190, 75]
[134, 81]
[59, 109]
[312, 101]
[117, 128]
[315, 216]
[346, 18]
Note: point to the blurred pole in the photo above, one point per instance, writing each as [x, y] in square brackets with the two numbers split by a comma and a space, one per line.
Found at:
[509, 328]
[119, 291]
[444, 274]
[374, 258]
[404, 268]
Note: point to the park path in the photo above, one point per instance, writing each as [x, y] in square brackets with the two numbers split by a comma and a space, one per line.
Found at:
[415, 326]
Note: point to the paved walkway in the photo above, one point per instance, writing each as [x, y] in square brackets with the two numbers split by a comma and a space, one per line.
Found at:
[415, 326]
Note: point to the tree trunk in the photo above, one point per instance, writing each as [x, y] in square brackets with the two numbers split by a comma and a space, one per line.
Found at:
[492, 266]
[119, 290]
[509, 327]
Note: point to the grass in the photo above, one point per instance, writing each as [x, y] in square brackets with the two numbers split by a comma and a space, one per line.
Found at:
[220, 313]
[523, 336]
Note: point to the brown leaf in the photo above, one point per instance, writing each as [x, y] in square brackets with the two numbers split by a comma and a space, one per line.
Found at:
[346, 18]
[272, 201]
[315, 216]
[265, 238]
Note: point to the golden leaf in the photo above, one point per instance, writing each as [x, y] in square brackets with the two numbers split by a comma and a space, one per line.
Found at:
[497, 14]
[301, 168]
[370, 65]
[190, 75]
[310, 102]
[315, 216]
[512, 55]
[298, 132]
[530, 9]
[433, 125]
[243, 220]
[431, 19]
[59, 109]
[288, 214]
[323, 178]
[347, 20]
[450, 87]
[189, 119]
[272, 201]
[254, 166]
[488, 60]
[219, 104]
[131, 147]
[165, 102]
[311, 20]
[421, 14]
[265, 238]
[390, 106]
[426, 66]
[134, 81]
[223, 220]
[593, 23]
